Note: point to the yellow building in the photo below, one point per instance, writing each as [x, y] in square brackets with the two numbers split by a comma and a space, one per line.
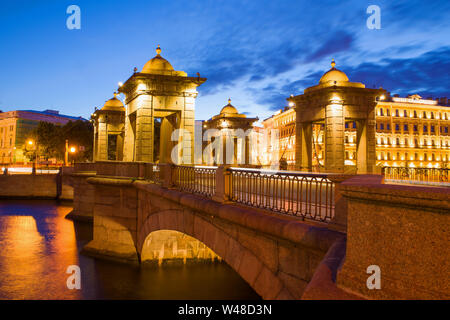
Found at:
[16, 125]
[282, 127]
[410, 132]
[413, 132]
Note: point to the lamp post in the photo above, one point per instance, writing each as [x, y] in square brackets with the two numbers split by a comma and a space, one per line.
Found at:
[71, 149]
[31, 143]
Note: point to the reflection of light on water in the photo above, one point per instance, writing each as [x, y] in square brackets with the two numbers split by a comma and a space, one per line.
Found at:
[35, 252]
[37, 245]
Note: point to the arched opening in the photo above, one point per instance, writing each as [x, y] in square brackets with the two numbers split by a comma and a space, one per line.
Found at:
[187, 268]
[174, 247]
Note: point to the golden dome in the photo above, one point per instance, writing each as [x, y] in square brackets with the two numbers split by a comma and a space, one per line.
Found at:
[113, 104]
[158, 64]
[228, 109]
[333, 75]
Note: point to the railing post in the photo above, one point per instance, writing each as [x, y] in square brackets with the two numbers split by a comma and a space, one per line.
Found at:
[339, 222]
[223, 180]
[167, 175]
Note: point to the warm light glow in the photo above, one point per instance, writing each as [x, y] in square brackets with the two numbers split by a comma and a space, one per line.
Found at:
[120, 84]
[72, 149]
[291, 104]
[141, 87]
[30, 142]
[382, 97]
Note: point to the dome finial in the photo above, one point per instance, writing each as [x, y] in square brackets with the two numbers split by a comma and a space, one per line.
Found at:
[115, 94]
[158, 50]
[229, 100]
[333, 64]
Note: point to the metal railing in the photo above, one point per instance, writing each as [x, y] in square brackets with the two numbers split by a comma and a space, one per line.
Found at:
[418, 175]
[310, 196]
[196, 179]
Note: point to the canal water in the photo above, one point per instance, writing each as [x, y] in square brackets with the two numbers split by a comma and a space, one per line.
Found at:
[37, 244]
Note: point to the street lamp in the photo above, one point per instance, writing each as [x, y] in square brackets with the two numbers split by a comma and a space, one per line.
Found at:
[30, 142]
[72, 150]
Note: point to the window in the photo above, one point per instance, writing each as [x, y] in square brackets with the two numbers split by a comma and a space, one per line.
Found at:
[424, 114]
[381, 126]
[388, 126]
[432, 128]
[415, 127]
[405, 114]
[415, 114]
[396, 113]
[354, 124]
[405, 127]
[381, 111]
[432, 115]
[397, 127]
[346, 125]
[425, 129]
[387, 112]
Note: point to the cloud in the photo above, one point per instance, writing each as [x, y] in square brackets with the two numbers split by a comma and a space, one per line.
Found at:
[426, 74]
[339, 41]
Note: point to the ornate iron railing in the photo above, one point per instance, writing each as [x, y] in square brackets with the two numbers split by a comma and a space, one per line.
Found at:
[424, 175]
[196, 179]
[310, 196]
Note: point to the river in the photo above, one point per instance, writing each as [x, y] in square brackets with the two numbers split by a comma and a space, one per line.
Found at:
[37, 244]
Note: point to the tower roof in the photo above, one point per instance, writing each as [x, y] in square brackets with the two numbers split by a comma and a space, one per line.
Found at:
[229, 110]
[157, 65]
[333, 75]
[113, 104]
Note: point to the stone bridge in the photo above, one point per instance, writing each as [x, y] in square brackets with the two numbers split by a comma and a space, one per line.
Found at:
[276, 255]
[144, 219]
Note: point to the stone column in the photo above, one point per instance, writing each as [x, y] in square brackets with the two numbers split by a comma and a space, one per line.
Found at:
[144, 130]
[223, 177]
[371, 142]
[102, 149]
[128, 147]
[303, 146]
[334, 137]
[94, 153]
[188, 124]
[361, 146]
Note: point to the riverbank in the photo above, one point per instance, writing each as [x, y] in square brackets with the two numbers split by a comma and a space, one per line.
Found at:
[35, 186]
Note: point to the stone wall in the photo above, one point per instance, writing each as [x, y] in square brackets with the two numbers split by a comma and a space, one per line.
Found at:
[402, 229]
[28, 186]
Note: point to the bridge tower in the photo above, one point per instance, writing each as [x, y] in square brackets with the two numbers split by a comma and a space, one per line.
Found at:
[109, 130]
[331, 104]
[158, 101]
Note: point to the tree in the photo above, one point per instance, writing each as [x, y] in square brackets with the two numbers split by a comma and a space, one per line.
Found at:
[51, 140]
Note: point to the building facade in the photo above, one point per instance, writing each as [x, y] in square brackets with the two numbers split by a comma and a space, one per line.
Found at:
[15, 127]
[281, 130]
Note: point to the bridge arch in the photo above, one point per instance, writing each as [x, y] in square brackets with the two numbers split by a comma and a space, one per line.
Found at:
[222, 240]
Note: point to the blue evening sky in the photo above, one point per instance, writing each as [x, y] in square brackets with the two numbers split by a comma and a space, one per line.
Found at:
[257, 52]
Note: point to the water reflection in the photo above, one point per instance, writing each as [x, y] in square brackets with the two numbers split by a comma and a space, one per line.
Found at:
[37, 245]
